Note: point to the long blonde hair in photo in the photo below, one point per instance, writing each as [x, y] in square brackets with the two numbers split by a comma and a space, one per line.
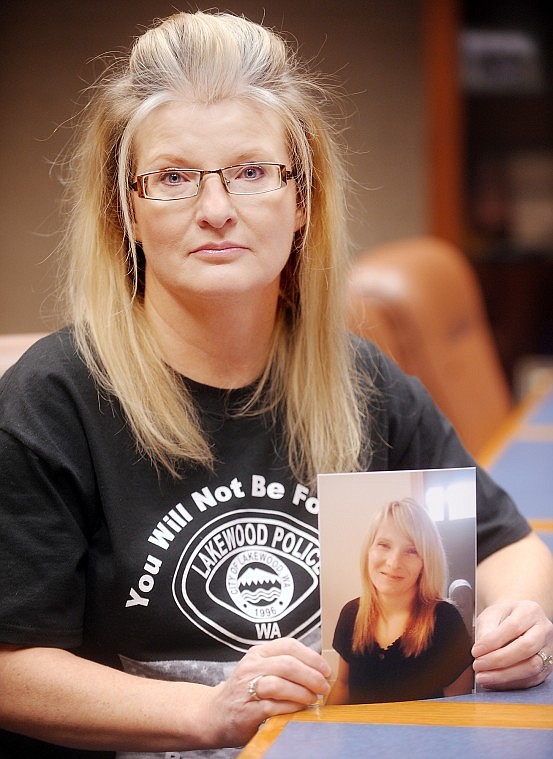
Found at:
[415, 523]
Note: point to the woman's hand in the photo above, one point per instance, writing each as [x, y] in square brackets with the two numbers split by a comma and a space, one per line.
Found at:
[278, 677]
[514, 646]
[56, 696]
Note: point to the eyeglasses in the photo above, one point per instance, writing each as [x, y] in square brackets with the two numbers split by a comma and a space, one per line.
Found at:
[241, 179]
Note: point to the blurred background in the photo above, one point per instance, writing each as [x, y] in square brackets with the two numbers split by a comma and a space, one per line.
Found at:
[450, 131]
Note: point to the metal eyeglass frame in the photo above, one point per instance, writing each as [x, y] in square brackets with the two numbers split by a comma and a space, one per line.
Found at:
[139, 186]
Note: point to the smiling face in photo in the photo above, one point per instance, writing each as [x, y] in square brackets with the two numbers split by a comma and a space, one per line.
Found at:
[394, 563]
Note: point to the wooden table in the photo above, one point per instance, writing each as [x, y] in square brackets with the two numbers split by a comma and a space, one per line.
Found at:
[488, 725]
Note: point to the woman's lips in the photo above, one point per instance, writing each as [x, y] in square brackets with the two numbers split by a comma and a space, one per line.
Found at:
[391, 577]
[214, 249]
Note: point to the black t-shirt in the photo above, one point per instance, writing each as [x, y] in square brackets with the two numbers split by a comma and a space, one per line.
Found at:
[102, 554]
[384, 675]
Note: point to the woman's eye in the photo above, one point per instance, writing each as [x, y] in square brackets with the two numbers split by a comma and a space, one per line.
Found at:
[173, 177]
[251, 172]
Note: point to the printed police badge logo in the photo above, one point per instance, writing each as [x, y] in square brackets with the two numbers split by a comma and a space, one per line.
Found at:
[261, 566]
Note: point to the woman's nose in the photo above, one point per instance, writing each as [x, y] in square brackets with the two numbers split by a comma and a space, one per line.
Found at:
[393, 558]
[214, 205]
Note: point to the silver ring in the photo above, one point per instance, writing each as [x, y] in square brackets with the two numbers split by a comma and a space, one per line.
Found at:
[252, 693]
[547, 660]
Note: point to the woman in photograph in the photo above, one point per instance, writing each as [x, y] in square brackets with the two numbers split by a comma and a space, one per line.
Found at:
[158, 455]
[401, 640]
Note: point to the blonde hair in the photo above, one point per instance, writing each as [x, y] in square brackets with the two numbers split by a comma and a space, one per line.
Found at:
[310, 379]
[415, 523]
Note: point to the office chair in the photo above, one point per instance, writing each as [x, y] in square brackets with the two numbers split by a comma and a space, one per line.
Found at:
[419, 300]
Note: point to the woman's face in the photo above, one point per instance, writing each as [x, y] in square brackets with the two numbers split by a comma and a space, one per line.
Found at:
[394, 563]
[213, 245]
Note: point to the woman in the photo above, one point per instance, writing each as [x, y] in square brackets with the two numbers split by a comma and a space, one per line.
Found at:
[401, 640]
[159, 523]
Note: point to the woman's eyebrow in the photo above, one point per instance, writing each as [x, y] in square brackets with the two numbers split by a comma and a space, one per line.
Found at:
[169, 160]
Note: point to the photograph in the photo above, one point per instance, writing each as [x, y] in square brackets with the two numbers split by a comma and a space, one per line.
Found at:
[398, 559]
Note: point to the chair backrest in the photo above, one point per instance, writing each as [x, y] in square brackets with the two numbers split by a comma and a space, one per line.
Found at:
[420, 301]
[13, 346]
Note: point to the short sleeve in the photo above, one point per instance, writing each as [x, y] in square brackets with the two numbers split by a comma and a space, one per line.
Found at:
[42, 553]
[48, 499]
